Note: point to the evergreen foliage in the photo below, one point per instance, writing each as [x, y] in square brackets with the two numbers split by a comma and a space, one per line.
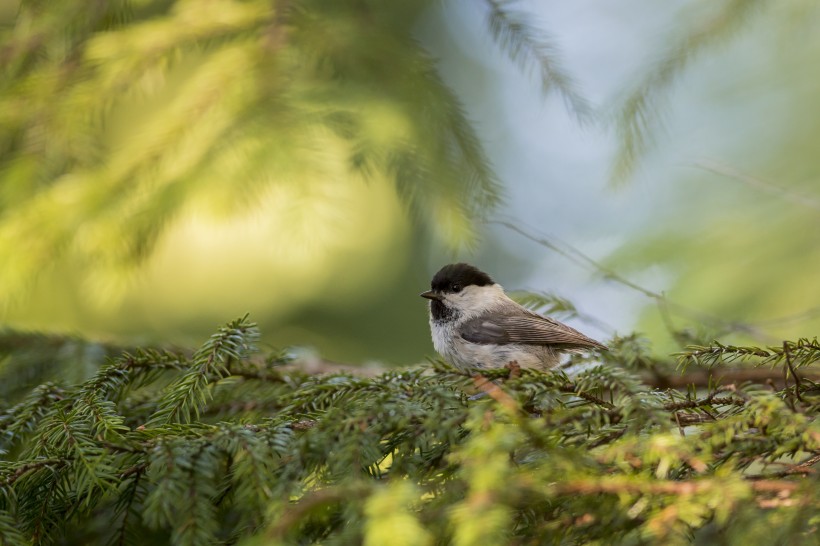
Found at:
[228, 446]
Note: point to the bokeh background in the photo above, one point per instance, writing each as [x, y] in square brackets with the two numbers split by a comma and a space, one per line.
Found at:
[170, 165]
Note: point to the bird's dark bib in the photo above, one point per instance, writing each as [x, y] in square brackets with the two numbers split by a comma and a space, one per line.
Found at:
[442, 313]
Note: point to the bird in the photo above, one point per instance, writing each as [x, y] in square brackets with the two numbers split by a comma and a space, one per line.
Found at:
[475, 325]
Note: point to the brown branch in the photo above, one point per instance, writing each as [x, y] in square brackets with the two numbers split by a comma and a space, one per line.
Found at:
[303, 424]
[495, 392]
[34, 465]
[590, 486]
[611, 437]
[136, 469]
[797, 384]
[239, 406]
[259, 374]
[712, 400]
[127, 511]
[688, 419]
[572, 389]
[803, 468]
[703, 378]
[120, 448]
[698, 378]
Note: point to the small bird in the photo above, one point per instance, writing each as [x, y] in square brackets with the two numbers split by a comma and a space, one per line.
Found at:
[475, 325]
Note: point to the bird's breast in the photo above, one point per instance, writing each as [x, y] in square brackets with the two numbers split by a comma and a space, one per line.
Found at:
[475, 355]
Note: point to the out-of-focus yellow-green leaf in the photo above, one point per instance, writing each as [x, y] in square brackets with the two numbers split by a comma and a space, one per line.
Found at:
[391, 518]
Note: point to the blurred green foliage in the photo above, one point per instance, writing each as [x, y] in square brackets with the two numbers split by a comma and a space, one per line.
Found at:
[117, 116]
[147, 146]
[165, 163]
[732, 101]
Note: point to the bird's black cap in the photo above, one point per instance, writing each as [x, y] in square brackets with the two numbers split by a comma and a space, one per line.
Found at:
[460, 275]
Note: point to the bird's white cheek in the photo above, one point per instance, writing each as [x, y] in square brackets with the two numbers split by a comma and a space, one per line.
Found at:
[464, 303]
[474, 300]
[451, 300]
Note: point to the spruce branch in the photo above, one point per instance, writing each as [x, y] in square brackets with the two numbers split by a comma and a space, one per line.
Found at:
[22, 418]
[574, 389]
[705, 378]
[187, 396]
[803, 351]
[125, 504]
[309, 503]
[10, 532]
[527, 46]
[294, 456]
[711, 400]
[640, 112]
[21, 470]
[802, 468]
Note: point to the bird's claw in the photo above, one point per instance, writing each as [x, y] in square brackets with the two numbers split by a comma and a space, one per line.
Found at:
[515, 369]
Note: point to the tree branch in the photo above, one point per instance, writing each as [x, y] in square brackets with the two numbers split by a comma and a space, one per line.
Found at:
[34, 465]
[590, 486]
[703, 378]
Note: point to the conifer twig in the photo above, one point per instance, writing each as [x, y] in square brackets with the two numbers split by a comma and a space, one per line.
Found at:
[579, 258]
[28, 467]
[691, 487]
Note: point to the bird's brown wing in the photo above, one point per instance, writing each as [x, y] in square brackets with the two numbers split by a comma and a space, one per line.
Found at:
[525, 328]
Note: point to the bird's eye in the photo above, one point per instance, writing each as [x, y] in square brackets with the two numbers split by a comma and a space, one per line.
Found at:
[456, 288]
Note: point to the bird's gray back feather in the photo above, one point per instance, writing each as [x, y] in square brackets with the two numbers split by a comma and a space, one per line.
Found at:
[523, 327]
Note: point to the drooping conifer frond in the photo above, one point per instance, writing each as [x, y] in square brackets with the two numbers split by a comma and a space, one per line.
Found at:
[639, 115]
[527, 47]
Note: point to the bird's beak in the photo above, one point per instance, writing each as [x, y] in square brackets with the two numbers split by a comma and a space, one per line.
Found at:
[431, 295]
